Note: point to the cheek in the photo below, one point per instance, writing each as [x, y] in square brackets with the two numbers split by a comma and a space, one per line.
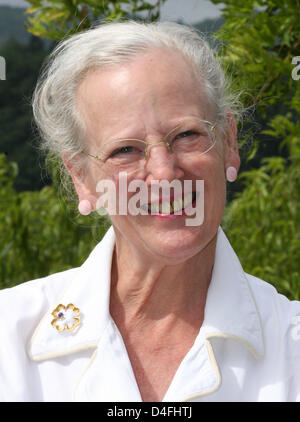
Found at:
[214, 196]
[94, 175]
[211, 170]
[121, 195]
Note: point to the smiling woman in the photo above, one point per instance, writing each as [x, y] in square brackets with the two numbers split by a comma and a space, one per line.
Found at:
[161, 310]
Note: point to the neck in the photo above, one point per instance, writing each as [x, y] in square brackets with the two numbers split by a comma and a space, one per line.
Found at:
[146, 289]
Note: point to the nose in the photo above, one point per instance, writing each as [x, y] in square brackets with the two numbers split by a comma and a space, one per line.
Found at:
[161, 163]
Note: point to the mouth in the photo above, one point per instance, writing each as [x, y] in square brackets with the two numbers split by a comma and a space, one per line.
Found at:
[173, 207]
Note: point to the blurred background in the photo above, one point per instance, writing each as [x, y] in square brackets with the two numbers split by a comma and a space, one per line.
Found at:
[40, 229]
[24, 54]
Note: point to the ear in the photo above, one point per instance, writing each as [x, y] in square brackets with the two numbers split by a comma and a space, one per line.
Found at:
[232, 156]
[81, 181]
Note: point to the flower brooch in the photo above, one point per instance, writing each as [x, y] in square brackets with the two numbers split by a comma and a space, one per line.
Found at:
[65, 317]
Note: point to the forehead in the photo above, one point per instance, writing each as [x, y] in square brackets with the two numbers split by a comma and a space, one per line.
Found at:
[154, 89]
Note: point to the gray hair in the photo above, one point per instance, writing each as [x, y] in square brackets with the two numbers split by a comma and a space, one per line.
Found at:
[54, 100]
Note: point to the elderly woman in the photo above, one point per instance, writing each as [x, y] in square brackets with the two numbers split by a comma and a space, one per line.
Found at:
[161, 310]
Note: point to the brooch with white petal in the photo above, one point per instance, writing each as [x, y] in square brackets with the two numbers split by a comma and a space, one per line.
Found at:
[65, 317]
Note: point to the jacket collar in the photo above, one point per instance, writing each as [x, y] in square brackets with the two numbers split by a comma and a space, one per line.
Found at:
[89, 291]
[230, 311]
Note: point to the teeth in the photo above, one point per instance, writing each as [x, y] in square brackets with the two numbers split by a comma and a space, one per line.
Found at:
[188, 199]
[165, 207]
[170, 207]
[155, 207]
[177, 204]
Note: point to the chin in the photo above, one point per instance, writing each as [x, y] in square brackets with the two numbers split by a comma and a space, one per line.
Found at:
[165, 239]
[177, 245]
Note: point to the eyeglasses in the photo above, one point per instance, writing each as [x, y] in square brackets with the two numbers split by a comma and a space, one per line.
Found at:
[191, 138]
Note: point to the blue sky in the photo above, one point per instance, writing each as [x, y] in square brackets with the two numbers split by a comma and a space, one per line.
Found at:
[190, 11]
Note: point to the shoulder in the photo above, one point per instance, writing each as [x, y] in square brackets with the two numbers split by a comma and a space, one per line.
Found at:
[48, 286]
[279, 315]
[30, 301]
[267, 296]
[23, 305]
[280, 320]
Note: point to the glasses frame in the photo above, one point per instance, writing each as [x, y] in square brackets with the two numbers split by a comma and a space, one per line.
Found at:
[163, 141]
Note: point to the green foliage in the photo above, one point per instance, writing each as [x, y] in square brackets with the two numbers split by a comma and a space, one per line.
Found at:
[260, 38]
[55, 18]
[263, 224]
[40, 233]
[23, 64]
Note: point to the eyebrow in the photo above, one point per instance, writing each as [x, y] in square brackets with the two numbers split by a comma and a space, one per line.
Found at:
[170, 126]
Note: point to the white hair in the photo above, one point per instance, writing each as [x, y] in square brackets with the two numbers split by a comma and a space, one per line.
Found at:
[54, 100]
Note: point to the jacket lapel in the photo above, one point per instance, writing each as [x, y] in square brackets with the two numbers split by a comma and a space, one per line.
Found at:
[231, 310]
[88, 291]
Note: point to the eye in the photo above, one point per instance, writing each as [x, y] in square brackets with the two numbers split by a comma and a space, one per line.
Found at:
[122, 150]
[186, 134]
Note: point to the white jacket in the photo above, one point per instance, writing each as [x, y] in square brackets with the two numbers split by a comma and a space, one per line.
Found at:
[248, 348]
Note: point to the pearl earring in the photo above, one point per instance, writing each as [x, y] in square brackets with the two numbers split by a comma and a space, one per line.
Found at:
[84, 207]
[231, 174]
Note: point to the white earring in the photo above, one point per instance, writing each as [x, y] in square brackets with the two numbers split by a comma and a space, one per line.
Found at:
[231, 174]
[84, 207]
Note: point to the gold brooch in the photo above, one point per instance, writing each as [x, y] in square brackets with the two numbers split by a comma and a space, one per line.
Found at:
[65, 318]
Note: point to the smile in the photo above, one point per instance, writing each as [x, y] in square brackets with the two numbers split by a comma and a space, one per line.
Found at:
[172, 207]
